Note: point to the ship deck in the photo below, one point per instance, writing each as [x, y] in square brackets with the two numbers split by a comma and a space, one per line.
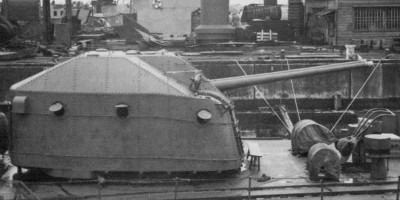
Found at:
[289, 180]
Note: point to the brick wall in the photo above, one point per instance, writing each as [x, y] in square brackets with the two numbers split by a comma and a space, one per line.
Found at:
[346, 34]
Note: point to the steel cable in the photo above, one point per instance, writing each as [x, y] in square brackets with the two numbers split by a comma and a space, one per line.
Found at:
[359, 91]
[294, 94]
[265, 100]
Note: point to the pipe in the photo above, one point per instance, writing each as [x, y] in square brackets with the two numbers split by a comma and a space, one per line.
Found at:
[243, 81]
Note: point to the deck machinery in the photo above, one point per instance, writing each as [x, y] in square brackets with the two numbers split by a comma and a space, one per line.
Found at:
[125, 111]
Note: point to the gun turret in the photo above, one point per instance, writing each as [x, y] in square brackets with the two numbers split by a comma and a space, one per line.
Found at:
[248, 80]
[119, 111]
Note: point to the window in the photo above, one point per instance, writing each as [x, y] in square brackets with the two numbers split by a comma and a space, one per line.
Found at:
[61, 13]
[55, 13]
[370, 19]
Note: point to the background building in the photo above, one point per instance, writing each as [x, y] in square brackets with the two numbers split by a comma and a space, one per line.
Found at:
[337, 22]
[57, 12]
[167, 16]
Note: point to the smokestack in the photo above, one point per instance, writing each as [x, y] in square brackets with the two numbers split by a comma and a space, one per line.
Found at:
[215, 26]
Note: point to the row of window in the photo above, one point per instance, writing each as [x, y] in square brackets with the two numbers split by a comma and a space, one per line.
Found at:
[368, 19]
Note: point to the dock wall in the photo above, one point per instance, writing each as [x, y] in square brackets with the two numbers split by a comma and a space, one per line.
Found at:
[314, 94]
[384, 84]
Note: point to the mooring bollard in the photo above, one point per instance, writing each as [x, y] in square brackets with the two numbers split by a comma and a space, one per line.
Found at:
[283, 54]
[249, 189]
[100, 181]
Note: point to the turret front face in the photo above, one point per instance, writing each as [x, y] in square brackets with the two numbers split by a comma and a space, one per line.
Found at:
[115, 112]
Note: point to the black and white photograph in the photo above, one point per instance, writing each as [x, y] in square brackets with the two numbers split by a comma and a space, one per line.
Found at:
[199, 99]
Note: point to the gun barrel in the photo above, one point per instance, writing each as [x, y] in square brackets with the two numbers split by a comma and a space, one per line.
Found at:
[243, 81]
